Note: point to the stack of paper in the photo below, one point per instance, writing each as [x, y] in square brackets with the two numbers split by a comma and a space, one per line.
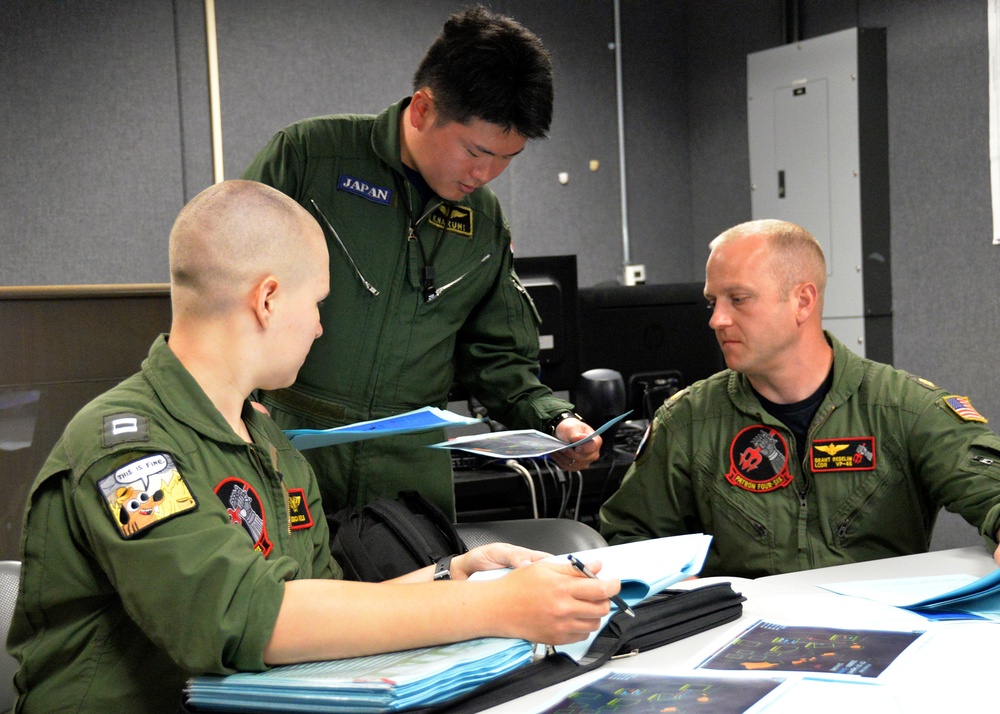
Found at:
[423, 419]
[940, 597]
[379, 683]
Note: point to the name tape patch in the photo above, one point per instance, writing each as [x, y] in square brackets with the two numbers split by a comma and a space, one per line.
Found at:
[299, 517]
[454, 219]
[856, 453]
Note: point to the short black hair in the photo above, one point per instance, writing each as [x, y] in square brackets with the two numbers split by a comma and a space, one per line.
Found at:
[487, 66]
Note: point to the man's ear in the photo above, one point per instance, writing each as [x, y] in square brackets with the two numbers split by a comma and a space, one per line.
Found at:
[807, 300]
[263, 297]
[421, 109]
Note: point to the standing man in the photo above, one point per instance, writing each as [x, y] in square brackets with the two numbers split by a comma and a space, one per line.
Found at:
[175, 531]
[801, 454]
[421, 262]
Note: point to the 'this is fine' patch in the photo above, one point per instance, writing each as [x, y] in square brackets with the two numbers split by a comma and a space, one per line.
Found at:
[145, 493]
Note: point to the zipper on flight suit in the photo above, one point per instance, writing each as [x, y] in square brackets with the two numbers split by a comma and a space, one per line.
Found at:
[357, 271]
[437, 291]
[259, 464]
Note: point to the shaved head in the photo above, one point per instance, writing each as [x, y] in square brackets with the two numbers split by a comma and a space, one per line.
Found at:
[795, 255]
[230, 236]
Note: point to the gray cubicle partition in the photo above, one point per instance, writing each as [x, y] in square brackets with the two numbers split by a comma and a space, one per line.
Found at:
[62, 346]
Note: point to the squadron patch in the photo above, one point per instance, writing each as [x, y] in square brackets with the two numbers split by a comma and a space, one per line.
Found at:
[848, 454]
[758, 460]
[378, 194]
[245, 509]
[454, 219]
[145, 493]
[299, 517]
[963, 407]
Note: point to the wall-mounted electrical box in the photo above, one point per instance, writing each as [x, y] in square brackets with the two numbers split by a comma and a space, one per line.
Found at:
[818, 133]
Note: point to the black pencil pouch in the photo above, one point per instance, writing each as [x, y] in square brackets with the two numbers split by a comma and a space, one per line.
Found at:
[659, 620]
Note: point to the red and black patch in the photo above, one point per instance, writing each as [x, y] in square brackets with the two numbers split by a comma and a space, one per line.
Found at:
[299, 517]
[854, 453]
[758, 460]
[246, 509]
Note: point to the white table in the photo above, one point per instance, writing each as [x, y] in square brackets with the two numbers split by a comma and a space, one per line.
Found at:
[956, 668]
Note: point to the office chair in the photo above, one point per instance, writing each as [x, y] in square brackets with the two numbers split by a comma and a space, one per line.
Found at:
[552, 535]
[10, 575]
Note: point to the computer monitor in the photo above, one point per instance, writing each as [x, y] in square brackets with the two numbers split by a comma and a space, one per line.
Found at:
[657, 336]
[552, 284]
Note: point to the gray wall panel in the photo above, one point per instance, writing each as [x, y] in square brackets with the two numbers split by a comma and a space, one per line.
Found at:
[90, 168]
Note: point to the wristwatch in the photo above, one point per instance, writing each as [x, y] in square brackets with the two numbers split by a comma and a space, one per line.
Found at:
[559, 419]
[442, 569]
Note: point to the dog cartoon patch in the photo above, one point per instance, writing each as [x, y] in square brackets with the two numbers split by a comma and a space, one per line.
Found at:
[145, 493]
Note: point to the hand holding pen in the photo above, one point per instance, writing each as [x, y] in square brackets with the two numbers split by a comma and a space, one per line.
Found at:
[622, 605]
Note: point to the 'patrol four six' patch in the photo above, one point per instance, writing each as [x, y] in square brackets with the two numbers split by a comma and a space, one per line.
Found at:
[848, 454]
[758, 460]
[144, 493]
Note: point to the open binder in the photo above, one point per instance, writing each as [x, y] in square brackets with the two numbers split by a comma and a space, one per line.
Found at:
[660, 619]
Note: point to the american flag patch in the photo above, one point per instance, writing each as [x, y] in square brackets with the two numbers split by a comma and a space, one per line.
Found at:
[964, 408]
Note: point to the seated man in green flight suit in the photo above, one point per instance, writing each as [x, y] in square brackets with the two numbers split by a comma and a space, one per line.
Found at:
[801, 454]
[175, 531]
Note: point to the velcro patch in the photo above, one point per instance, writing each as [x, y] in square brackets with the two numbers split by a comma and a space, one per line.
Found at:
[454, 219]
[758, 460]
[299, 517]
[378, 194]
[849, 454]
[145, 493]
[123, 428]
[925, 383]
[963, 407]
[245, 509]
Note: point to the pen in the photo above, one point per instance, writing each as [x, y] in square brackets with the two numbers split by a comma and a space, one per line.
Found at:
[622, 605]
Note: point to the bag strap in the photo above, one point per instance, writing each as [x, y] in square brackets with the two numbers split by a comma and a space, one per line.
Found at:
[399, 519]
[350, 553]
[418, 504]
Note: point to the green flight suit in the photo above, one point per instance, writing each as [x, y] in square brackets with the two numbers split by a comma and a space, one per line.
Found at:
[385, 349]
[156, 545]
[886, 452]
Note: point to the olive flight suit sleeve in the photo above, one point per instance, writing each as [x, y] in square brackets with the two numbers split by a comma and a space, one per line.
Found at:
[656, 498]
[193, 583]
[497, 355]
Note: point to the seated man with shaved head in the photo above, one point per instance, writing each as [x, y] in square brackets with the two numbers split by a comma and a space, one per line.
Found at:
[801, 454]
[175, 531]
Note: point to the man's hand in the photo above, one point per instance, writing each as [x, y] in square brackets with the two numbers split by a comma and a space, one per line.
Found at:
[579, 457]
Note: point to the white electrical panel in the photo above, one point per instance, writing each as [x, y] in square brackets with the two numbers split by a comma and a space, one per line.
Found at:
[811, 121]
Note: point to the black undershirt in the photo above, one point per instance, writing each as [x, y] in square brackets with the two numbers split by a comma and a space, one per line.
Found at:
[797, 416]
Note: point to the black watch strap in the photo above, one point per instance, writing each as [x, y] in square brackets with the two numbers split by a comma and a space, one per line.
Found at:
[559, 419]
[442, 568]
